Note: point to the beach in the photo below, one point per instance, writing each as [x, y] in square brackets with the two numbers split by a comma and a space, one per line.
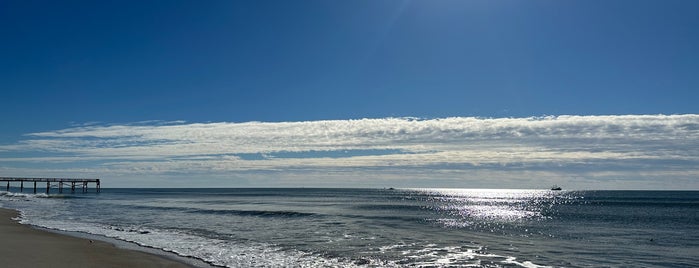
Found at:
[24, 246]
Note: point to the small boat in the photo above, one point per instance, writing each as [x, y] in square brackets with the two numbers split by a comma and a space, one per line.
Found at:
[556, 188]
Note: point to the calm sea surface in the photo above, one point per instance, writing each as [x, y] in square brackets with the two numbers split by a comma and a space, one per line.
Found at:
[387, 228]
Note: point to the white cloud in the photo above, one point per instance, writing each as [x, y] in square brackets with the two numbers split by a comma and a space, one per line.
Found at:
[389, 143]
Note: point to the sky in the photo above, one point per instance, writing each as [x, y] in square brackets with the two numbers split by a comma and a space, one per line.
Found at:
[468, 94]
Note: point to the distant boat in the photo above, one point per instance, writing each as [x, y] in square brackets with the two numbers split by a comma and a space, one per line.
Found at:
[556, 188]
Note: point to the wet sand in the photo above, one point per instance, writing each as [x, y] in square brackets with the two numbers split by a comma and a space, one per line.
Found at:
[24, 246]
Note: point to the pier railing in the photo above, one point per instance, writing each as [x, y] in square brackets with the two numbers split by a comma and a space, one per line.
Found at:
[53, 182]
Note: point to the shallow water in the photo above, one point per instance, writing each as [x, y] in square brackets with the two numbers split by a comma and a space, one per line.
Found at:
[386, 228]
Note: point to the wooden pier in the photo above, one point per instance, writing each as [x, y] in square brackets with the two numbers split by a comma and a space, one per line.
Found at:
[53, 182]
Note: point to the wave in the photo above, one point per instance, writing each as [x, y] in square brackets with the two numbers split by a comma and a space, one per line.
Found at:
[255, 213]
[39, 195]
[258, 213]
[391, 207]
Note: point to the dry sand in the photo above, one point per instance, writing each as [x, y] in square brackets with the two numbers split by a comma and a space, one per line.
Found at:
[24, 246]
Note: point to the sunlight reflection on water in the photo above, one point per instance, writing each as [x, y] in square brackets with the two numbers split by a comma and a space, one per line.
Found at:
[489, 207]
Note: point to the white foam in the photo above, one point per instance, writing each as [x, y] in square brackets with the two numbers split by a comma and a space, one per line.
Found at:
[22, 195]
[526, 264]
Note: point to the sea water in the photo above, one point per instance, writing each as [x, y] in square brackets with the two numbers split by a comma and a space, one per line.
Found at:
[386, 227]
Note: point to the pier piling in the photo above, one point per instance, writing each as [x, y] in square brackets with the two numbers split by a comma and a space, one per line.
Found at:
[52, 182]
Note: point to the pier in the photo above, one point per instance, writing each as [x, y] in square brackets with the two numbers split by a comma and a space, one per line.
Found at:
[82, 184]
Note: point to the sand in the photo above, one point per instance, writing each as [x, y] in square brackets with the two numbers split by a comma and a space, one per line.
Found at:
[24, 246]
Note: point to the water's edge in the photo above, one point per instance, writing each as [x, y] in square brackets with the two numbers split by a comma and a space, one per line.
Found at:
[122, 244]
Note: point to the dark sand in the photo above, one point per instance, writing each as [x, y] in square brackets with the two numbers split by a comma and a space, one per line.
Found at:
[24, 246]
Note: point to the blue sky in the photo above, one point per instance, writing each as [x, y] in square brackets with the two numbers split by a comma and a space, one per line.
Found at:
[153, 66]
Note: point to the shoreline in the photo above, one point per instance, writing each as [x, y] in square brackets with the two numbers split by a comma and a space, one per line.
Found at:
[26, 246]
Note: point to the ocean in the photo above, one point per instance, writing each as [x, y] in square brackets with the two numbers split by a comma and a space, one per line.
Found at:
[385, 227]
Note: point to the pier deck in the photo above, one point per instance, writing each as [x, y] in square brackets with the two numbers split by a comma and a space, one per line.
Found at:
[53, 182]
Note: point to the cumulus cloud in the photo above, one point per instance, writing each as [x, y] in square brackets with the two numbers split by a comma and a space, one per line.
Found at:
[627, 142]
